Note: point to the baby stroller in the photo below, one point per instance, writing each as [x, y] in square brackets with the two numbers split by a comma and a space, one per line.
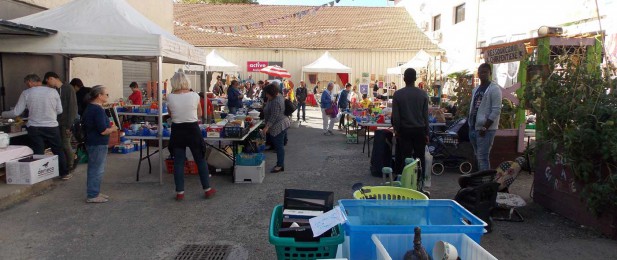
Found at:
[442, 146]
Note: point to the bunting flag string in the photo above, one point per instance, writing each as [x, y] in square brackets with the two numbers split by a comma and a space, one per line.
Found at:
[244, 27]
[227, 32]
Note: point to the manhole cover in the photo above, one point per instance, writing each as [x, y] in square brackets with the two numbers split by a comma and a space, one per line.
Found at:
[204, 252]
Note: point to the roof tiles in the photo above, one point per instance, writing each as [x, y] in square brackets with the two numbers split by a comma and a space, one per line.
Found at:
[331, 28]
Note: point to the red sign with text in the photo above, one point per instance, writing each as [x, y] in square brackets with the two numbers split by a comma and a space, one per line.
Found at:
[255, 66]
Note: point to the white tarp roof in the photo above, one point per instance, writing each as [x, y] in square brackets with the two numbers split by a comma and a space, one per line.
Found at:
[214, 62]
[419, 61]
[110, 29]
[326, 63]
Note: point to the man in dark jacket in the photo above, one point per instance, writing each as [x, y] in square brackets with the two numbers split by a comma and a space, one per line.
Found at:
[410, 121]
[343, 103]
[301, 94]
[68, 99]
[80, 93]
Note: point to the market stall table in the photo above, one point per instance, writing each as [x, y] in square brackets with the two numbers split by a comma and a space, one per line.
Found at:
[16, 134]
[367, 128]
[234, 140]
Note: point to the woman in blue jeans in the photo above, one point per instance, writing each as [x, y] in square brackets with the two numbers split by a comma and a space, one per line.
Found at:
[276, 124]
[97, 129]
[184, 109]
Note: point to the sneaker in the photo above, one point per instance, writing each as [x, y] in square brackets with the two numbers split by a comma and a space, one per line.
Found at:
[179, 196]
[330, 132]
[103, 195]
[210, 193]
[67, 177]
[98, 199]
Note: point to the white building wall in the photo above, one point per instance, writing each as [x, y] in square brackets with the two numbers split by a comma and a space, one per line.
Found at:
[496, 21]
[368, 61]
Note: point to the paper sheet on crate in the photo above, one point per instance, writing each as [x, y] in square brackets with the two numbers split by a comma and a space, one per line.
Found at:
[326, 221]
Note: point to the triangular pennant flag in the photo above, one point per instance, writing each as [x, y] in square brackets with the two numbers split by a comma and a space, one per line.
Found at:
[337, 1]
[331, 3]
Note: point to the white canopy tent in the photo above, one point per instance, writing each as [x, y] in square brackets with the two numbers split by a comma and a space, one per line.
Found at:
[326, 64]
[108, 29]
[420, 60]
[214, 62]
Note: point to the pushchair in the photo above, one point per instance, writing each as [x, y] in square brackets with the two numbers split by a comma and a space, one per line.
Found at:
[442, 146]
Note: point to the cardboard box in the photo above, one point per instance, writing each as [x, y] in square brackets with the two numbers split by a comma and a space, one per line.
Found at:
[250, 174]
[43, 167]
[214, 131]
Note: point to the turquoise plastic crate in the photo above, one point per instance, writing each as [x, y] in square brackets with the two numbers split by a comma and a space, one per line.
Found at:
[368, 217]
[249, 159]
[288, 249]
[390, 247]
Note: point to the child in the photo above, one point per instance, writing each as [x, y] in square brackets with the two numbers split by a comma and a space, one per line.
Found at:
[365, 101]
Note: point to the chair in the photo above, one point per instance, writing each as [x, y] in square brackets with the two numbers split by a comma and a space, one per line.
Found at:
[408, 178]
[478, 194]
[506, 174]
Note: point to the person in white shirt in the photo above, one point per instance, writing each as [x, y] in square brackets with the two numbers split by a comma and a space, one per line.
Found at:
[184, 109]
[44, 107]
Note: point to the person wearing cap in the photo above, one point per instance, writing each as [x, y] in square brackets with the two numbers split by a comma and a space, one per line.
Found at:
[68, 115]
[44, 105]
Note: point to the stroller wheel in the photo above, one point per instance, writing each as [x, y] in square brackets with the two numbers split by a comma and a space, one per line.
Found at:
[465, 167]
[438, 169]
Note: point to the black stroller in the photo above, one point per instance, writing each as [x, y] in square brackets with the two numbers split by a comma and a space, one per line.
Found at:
[442, 146]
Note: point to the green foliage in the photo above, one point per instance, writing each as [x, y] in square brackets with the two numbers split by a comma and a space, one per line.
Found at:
[463, 88]
[580, 123]
[508, 114]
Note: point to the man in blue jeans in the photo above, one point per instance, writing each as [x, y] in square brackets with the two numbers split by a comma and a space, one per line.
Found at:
[44, 106]
[484, 114]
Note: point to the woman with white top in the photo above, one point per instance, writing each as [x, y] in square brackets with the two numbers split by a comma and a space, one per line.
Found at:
[184, 109]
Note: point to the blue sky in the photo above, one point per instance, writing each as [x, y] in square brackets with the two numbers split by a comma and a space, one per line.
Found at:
[321, 2]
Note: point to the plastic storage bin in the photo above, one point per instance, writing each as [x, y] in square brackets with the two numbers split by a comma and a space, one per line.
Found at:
[190, 167]
[288, 248]
[249, 159]
[368, 217]
[390, 247]
[389, 193]
[250, 174]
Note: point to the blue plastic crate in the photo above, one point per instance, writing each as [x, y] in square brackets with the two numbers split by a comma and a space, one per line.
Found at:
[249, 159]
[368, 217]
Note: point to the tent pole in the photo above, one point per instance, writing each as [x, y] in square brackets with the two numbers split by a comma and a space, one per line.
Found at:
[160, 126]
[203, 90]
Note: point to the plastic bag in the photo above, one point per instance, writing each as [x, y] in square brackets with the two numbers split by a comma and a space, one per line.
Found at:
[428, 160]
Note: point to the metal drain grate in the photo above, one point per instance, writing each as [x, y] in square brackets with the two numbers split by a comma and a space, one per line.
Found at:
[204, 252]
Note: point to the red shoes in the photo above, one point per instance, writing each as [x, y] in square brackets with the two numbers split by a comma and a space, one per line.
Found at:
[209, 194]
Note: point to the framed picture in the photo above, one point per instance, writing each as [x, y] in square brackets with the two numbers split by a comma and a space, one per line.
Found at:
[364, 89]
[312, 79]
[113, 117]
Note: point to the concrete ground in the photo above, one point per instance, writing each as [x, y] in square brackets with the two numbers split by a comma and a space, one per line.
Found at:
[143, 221]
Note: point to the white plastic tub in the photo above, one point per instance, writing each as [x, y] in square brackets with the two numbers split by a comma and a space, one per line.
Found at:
[390, 246]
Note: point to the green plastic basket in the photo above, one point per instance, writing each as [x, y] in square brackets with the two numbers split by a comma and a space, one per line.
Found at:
[388, 193]
[288, 249]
